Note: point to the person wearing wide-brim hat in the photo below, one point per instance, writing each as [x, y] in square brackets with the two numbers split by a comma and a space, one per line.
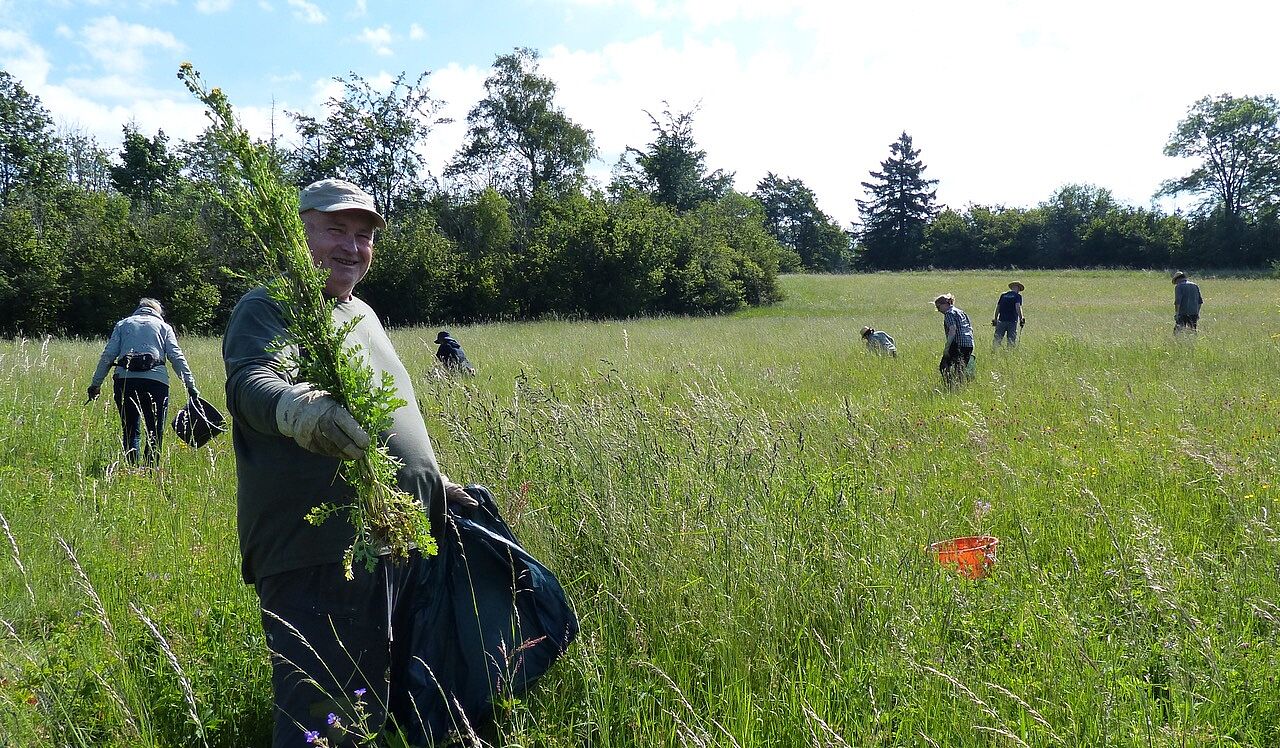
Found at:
[1186, 304]
[879, 342]
[1008, 318]
[450, 354]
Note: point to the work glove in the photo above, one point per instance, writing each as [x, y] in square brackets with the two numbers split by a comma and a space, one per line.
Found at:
[319, 424]
[94, 391]
[193, 393]
[1022, 322]
[457, 494]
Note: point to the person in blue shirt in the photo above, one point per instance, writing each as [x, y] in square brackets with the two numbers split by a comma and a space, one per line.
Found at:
[958, 349]
[1008, 317]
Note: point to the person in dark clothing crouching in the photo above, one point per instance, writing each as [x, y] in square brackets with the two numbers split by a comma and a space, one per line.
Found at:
[450, 355]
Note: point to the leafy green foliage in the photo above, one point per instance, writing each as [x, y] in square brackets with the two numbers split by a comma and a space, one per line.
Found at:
[382, 514]
[518, 140]
[1237, 140]
[31, 161]
[671, 170]
[370, 137]
[793, 217]
[147, 167]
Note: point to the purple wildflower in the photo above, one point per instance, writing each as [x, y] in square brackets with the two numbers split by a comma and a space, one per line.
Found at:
[332, 718]
[360, 692]
[312, 735]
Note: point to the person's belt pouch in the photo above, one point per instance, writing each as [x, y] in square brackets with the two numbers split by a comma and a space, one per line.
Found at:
[138, 362]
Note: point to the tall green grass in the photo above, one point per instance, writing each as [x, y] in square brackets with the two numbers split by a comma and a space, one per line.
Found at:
[739, 508]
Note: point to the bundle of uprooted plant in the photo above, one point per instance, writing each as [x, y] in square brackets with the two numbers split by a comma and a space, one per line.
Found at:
[250, 186]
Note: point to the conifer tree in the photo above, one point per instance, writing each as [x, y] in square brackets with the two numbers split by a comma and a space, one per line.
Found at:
[899, 206]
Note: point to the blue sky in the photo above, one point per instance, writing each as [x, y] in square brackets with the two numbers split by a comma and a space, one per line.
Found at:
[1007, 99]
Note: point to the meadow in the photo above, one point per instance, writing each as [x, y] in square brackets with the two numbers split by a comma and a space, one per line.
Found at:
[739, 509]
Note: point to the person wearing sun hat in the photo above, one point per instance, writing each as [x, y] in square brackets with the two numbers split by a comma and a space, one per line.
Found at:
[1008, 317]
[879, 342]
[1186, 303]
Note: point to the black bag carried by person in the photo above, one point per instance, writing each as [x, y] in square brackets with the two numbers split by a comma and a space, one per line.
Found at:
[133, 361]
[198, 422]
[492, 622]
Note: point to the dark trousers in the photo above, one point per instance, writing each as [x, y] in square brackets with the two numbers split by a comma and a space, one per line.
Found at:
[954, 362]
[143, 406]
[1185, 322]
[339, 650]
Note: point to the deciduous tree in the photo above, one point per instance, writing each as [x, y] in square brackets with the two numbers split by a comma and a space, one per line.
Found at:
[793, 217]
[372, 137]
[147, 168]
[672, 168]
[31, 160]
[1237, 142]
[518, 139]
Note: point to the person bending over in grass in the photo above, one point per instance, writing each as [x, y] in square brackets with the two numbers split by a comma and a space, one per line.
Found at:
[1186, 304]
[450, 355]
[879, 342]
[958, 349]
[138, 348]
[338, 647]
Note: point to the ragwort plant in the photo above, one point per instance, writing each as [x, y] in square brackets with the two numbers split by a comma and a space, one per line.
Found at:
[251, 188]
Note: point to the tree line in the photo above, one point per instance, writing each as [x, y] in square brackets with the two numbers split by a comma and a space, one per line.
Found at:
[1234, 224]
[513, 228]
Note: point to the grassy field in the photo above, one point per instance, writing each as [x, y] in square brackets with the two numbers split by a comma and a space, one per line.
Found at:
[739, 508]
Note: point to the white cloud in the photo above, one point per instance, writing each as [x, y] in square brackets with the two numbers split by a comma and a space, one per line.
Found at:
[378, 39]
[1007, 100]
[120, 47]
[307, 12]
[361, 8]
[416, 32]
[23, 59]
[212, 6]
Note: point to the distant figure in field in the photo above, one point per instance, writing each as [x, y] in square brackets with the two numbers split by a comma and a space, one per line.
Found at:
[958, 350]
[1008, 317]
[879, 342]
[138, 348]
[1186, 303]
[450, 355]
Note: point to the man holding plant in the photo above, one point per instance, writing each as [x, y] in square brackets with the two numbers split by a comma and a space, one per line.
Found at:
[339, 647]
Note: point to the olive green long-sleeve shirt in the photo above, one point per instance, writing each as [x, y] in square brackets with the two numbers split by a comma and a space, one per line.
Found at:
[279, 482]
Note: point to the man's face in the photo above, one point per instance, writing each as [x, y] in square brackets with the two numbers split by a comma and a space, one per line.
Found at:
[342, 243]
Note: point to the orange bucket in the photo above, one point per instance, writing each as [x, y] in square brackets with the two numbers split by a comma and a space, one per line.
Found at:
[971, 556]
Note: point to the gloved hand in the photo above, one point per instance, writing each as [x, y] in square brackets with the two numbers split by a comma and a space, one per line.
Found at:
[1022, 322]
[993, 323]
[319, 424]
[94, 391]
[457, 494]
[193, 393]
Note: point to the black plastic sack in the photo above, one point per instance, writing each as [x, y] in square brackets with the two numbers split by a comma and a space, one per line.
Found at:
[493, 621]
[198, 422]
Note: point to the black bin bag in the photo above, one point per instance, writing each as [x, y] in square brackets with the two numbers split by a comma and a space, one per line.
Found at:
[492, 621]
